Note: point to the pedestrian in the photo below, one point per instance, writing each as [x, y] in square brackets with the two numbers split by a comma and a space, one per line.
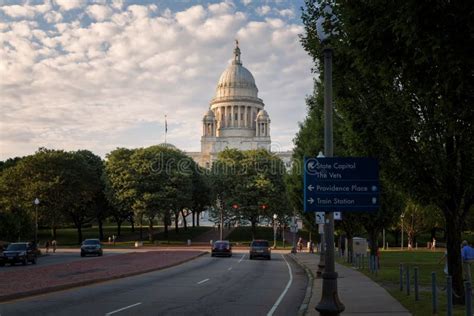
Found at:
[300, 244]
[433, 244]
[46, 245]
[311, 246]
[110, 240]
[467, 254]
[53, 243]
[113, 239]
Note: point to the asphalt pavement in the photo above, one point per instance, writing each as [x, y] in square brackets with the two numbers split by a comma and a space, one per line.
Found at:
[204, 286]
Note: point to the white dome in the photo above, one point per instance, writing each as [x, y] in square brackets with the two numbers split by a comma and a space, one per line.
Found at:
[209, 116]
[262, 115]
[236, 80]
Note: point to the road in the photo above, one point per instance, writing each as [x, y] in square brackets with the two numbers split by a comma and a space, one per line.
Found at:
[205, 286]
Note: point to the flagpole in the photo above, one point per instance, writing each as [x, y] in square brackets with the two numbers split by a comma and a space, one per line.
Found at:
[166, 128]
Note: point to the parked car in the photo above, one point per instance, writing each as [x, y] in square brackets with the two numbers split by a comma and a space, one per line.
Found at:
[260, 248]
[91, 247]
[221, 248]
[21, 252]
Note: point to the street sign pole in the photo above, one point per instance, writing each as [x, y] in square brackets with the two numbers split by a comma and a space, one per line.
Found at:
[330, 303]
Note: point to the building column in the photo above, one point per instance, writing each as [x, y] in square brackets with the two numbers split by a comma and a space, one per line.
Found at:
[233, 116]
[239, 119]
[246, 116]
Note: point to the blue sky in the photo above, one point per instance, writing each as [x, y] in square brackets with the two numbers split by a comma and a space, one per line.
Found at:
[102, 74]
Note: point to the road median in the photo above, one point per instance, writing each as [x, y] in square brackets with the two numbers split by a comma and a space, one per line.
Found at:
[18, 283]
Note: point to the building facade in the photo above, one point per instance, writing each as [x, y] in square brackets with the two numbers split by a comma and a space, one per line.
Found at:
[236, 117]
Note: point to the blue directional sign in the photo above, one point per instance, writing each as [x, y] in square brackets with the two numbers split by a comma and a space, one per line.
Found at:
[345, 184]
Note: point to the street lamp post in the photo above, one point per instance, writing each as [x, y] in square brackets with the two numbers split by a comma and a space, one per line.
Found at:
[330, 303]
[37, 202]
[322, 251]
[274, 231]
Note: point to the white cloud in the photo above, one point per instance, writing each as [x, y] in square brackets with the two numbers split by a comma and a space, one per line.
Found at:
[18, 11]
[53, 17]
[110, 83]
[67, 5]
[263, 10]
[246, 2]
[99, 12]
[288, 13]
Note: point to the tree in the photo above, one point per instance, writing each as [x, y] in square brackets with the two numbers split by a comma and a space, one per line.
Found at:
[403, 79]
[119, 184]
[254, 181]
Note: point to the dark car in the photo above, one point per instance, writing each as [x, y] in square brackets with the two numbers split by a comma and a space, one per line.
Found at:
[91, 247]
[260, 249]
[21, 252]
[221, 248]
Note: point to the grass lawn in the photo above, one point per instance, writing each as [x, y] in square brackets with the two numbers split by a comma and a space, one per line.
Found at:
[427, 262]
[67, 237]
[243, 235]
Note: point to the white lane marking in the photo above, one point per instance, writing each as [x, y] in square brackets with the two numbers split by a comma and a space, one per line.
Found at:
[201, 282]
[227, 269]
[123, 308]
[242, 258]
[270, 313]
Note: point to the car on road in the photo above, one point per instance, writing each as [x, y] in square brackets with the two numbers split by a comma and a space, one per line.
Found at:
[221, 248]
[260, 249]
[19, 252]
[91, 247]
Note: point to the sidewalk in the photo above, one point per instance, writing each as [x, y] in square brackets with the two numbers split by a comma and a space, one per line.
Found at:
[359, 294]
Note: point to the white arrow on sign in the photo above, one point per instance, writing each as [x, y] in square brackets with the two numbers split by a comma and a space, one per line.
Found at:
[311, 165]
[311, 200]
[310, 187]
[374, 200]
[337, 216]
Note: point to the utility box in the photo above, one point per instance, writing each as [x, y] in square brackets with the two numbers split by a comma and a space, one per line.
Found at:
[359, 246]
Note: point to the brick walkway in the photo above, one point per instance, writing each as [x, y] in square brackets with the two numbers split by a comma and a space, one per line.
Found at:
[16, 283]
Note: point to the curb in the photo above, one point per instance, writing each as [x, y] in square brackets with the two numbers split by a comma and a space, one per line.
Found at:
[309, 288]
[57, 288]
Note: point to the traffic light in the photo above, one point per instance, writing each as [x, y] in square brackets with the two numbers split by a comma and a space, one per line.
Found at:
[235, 206]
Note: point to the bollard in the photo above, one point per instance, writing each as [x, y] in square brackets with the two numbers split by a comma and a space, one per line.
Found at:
[408, 279]
[401, 277]
[449, 294]
[468, 291]
[434, 297]
[417, 296]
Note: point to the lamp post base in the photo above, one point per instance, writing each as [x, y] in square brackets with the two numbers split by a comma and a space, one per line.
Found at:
[330, 304]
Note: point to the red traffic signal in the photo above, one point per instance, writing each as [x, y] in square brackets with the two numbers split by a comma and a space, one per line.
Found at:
[235, 206]
[264, 206]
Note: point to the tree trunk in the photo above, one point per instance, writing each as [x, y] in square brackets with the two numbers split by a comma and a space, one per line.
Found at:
[54, 232]
[119, 227]
[197, 218]
[79, 232]
[374, 245]
[176, 222]
[254, 228]
[192, 215]
[101, 229]
[141, 227]
[185, 225]
[453, 243]
[132, 222]
[165, 221]
[150, 230]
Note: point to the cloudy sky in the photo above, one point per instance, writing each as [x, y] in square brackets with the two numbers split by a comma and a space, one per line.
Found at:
[102, 74]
